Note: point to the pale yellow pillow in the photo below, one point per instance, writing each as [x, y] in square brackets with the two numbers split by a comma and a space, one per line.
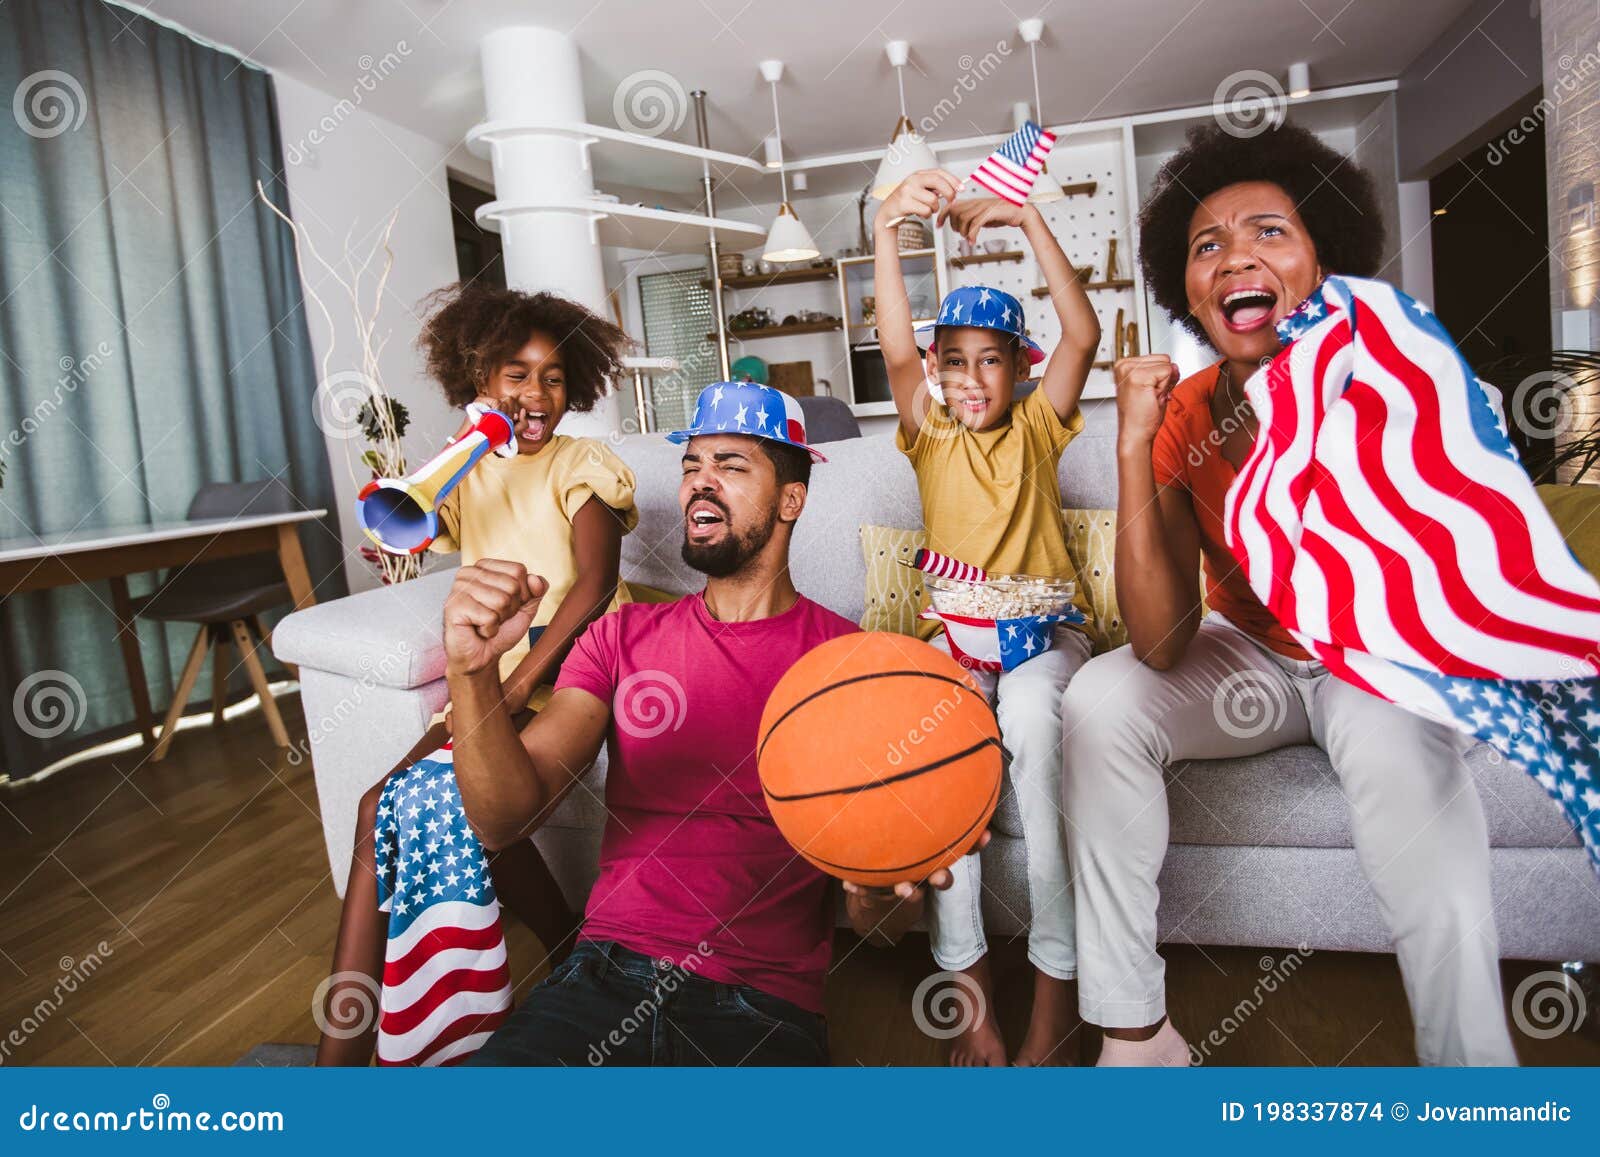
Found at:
[1091, 545]
[894, 592]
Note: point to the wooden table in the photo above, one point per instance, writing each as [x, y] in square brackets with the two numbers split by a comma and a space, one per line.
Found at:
[40, 562]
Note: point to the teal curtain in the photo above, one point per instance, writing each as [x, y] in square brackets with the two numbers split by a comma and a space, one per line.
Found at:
[152, 334]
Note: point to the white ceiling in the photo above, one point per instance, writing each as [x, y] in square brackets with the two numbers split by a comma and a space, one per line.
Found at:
[1098, 59]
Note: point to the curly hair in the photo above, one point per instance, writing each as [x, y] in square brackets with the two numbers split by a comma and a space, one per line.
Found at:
[473, 329]
[1335, 198]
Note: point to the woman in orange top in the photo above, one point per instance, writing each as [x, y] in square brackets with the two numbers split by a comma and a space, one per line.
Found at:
[1237, 232]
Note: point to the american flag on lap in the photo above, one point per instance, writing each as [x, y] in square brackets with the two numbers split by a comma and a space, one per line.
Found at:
[1385, 519]
[446, 985]
[1010, 170]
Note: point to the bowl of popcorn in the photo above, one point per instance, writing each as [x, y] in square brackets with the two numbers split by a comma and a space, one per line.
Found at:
[1004, 596]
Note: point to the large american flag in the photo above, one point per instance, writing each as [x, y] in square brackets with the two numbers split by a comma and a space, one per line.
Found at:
[1010, 170]
[1385, 519]
[446, 984]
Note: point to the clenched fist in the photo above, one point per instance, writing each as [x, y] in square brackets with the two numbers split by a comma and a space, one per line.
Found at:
[489, 609]
[1143, 386]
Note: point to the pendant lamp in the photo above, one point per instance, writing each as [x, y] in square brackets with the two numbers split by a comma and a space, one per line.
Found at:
[1045, 187]
[908, 153]
[788, 240]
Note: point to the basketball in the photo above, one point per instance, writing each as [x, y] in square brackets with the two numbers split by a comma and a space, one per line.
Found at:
[879, 758]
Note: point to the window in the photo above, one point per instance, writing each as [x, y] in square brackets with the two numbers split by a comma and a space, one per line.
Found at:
[677, 318]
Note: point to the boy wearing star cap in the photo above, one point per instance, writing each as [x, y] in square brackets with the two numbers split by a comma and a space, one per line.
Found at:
[986, 470]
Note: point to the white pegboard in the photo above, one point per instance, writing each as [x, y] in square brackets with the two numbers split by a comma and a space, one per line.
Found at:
[1083, 224]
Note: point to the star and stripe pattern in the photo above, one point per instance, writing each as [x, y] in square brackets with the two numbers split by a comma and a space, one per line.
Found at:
[1010, 171]
[748, 408]
[999, 644]
[446, 983]
[1383, 516]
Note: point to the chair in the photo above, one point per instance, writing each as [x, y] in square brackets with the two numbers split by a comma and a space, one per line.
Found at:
[225, 597]
[828, 419]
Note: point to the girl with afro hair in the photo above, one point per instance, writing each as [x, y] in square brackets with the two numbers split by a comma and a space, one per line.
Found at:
[559, 507]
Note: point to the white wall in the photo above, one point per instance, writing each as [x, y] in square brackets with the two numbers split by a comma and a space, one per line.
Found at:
[364, 169]
[1414, 232]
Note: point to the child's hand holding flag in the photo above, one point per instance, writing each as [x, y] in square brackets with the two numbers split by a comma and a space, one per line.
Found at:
[919, 196]
[1009, 173]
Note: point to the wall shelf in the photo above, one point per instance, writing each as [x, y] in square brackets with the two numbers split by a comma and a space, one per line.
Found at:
[784, 277]
[986, 258]
[1081, 189]
[624, 157]
[1118, 283]
[632, 226]
[780, 330]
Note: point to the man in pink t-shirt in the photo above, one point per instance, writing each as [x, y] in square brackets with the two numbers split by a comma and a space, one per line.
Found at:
[706, 938]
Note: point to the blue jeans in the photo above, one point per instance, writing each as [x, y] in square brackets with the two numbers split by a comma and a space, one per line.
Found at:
[608, 1005]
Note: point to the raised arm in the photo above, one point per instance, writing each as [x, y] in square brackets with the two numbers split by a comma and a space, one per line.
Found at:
[1158, 539]
[1068, 367]
[917, 196]
[509, 782]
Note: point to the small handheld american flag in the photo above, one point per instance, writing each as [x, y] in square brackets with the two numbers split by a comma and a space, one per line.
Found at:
[1011, 170]
[1385, 519]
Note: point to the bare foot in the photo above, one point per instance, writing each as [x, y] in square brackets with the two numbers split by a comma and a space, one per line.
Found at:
[978, 1044]
[1052, 1024]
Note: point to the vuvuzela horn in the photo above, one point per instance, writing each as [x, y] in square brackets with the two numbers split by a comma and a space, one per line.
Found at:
[401, 514]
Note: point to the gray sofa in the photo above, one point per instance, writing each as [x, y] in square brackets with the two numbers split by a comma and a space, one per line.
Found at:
[1261, 851]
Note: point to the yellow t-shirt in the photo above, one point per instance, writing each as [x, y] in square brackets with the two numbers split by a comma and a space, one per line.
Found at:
[990, 497]
[521, 509]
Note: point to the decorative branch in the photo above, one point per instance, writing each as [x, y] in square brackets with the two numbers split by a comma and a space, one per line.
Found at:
[381, 417]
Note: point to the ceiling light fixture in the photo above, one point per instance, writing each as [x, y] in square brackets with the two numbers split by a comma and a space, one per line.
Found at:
[788, 239]
[1045, 187]
[774, 152]
[908, 153]
[1299, 80]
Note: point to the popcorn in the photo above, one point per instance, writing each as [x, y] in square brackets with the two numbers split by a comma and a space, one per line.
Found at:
[1001, 597]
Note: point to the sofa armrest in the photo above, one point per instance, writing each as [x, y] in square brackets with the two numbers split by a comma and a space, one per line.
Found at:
[389, 637]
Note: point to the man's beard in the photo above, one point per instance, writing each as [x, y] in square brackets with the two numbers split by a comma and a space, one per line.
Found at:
[729, 556]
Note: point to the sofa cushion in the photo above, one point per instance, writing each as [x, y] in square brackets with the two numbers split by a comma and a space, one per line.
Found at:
[1091, 545]
[894, 591]
[1290, 797]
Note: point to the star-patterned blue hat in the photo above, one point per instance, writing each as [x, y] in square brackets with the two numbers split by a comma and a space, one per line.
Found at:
[748, 408]
[985, 308]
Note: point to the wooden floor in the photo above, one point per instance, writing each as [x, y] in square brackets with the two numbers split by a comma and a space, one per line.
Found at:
[182, 912]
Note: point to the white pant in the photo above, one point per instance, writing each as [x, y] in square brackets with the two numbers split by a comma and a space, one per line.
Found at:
[1027, 701]
[1415, 816]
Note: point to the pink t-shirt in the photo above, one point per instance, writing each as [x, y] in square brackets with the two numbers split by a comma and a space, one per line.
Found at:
[690, 854]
